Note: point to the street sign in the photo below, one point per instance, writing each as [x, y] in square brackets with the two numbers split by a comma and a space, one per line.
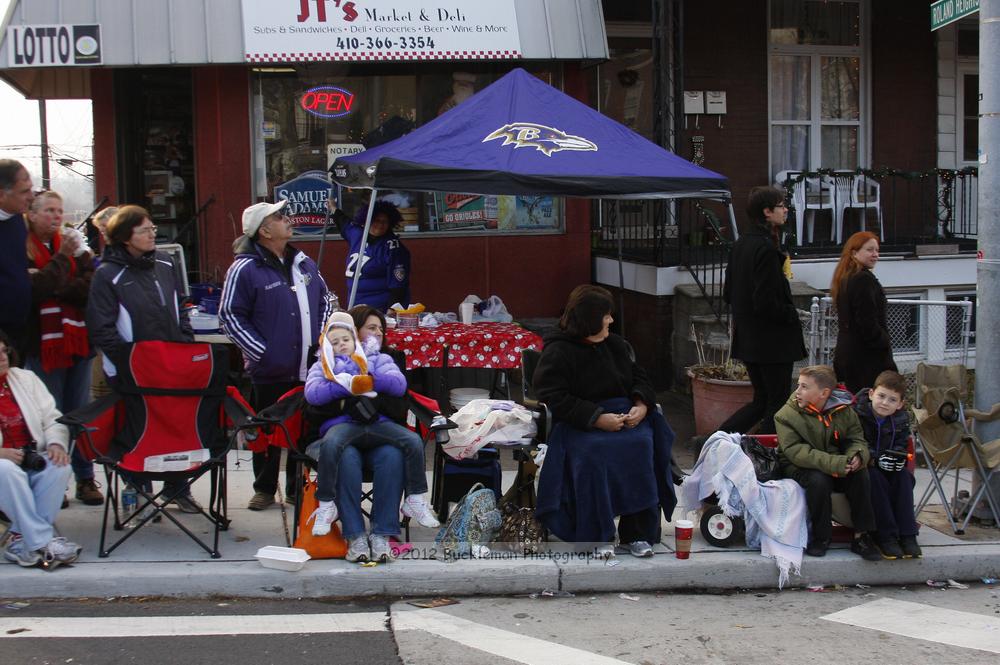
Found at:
[944, 12]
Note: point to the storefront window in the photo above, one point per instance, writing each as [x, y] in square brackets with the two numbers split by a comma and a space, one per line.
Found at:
[307, 116]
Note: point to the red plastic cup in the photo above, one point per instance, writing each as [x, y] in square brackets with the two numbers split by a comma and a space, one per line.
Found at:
[683, 531]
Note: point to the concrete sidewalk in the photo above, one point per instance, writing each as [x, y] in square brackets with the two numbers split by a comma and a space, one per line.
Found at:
[160, 561]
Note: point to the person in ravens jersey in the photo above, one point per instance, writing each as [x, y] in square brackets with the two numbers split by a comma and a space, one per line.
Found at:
[385, 267]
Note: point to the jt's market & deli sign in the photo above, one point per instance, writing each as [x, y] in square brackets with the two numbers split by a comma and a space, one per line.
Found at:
[53, 45]
[325, 30]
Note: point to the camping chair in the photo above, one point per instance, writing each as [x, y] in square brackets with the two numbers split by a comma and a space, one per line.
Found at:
[166, 420]
[950, 444]
[454, 477]
[286, 426]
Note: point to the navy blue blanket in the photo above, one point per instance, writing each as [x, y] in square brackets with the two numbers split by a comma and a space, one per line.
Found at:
[590, 477]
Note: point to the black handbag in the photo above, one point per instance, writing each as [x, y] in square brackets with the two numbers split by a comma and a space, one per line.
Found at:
[765, 460]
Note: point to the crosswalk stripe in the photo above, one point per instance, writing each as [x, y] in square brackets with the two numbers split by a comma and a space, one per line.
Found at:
[503, 643]
[925, 622]
[159, 626]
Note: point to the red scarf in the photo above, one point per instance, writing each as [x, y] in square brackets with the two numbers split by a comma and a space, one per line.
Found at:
[64, 332]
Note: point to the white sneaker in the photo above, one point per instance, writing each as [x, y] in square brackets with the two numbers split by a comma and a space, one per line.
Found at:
[416, 507]
[59, 550]
[380, 549]
[357, 549]
[324, 516]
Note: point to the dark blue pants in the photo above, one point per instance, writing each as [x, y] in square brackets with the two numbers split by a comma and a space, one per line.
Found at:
[892, 502]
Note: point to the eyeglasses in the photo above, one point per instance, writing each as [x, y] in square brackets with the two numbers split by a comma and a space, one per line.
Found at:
[781, 205]
[149, 230]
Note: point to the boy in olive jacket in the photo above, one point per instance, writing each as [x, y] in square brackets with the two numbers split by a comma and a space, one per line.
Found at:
[822, 447]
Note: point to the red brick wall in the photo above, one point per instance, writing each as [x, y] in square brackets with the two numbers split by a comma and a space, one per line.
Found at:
[222, 159]
[727, 50]
[904, 87]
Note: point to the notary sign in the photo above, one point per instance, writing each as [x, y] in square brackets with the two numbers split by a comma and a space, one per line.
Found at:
[944, 12]
[323, 30]
[53, 45]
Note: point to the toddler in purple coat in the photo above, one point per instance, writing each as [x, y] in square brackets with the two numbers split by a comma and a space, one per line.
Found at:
[346, 371]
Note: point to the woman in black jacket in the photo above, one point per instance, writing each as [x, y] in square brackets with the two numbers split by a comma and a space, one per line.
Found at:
[864, 347]
[767, 335]
[609, 452]
[134, 297]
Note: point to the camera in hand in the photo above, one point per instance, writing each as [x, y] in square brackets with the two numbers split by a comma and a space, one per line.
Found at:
[32, 461]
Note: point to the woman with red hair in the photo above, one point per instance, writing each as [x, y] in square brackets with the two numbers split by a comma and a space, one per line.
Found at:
[864, 346]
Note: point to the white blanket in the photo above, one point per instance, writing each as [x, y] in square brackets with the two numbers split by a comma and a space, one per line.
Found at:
[774, 512]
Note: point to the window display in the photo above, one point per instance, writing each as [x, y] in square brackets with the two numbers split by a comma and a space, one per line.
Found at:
[305, 117]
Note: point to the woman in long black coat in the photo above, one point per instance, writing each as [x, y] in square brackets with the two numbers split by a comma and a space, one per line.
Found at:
[767, 335]
[864, 346]
[609, 452]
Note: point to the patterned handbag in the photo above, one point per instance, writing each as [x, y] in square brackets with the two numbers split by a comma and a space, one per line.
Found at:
[472, 526]
[520, 528]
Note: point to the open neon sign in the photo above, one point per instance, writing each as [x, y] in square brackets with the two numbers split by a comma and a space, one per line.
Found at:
[328, 101]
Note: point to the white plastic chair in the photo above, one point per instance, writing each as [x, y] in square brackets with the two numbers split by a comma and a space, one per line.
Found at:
[864, 193]
[798, 202]
[843, 186]
[808, 196]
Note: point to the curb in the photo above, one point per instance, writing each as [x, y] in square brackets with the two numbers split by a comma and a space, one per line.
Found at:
[713, 571]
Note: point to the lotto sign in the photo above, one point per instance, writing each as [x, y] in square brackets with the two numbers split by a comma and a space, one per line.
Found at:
[325, 30]
[53, 45]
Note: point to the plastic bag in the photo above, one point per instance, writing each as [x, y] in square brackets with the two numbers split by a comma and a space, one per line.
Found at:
[482, 422]
[493, 309]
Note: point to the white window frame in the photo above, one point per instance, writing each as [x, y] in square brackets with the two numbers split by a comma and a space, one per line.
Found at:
[965, 67]
[815, 123]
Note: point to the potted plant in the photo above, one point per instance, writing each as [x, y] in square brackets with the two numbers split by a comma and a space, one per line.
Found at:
[719, 385]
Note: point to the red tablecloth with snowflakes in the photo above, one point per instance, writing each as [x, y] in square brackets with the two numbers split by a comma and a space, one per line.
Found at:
[483, 345]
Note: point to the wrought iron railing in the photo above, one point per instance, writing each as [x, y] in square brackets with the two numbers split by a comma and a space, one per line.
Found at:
[911, 206]
[688, 233]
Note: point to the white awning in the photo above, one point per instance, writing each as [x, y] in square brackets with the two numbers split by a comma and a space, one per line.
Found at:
[45, 44]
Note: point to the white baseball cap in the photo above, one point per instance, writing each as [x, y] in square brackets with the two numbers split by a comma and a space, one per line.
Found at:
[255, 215]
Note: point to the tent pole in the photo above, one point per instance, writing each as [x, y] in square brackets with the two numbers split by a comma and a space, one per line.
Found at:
[326, 224]
[621, 271]
[356, 277]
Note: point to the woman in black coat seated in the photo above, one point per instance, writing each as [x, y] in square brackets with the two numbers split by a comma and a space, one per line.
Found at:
[609, 452]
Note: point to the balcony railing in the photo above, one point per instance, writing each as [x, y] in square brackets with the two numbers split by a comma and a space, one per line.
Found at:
[903, 207]
[916, 207]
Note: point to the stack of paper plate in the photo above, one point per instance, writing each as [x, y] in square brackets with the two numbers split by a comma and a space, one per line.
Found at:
[462, 396]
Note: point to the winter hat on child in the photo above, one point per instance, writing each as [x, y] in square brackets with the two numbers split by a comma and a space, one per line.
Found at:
[345, 321]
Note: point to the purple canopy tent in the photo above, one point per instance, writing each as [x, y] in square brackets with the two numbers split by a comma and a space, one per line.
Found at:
[521, 136]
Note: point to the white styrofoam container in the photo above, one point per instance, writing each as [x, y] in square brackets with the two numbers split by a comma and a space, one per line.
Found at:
[282, 558]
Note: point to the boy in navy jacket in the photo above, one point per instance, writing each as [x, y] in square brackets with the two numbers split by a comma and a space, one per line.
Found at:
[887, 429]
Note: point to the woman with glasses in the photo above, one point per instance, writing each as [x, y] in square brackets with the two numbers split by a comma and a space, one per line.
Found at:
[767, 335]
[134, 297]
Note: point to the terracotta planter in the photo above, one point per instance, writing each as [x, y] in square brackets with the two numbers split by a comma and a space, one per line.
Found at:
[715, 400]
